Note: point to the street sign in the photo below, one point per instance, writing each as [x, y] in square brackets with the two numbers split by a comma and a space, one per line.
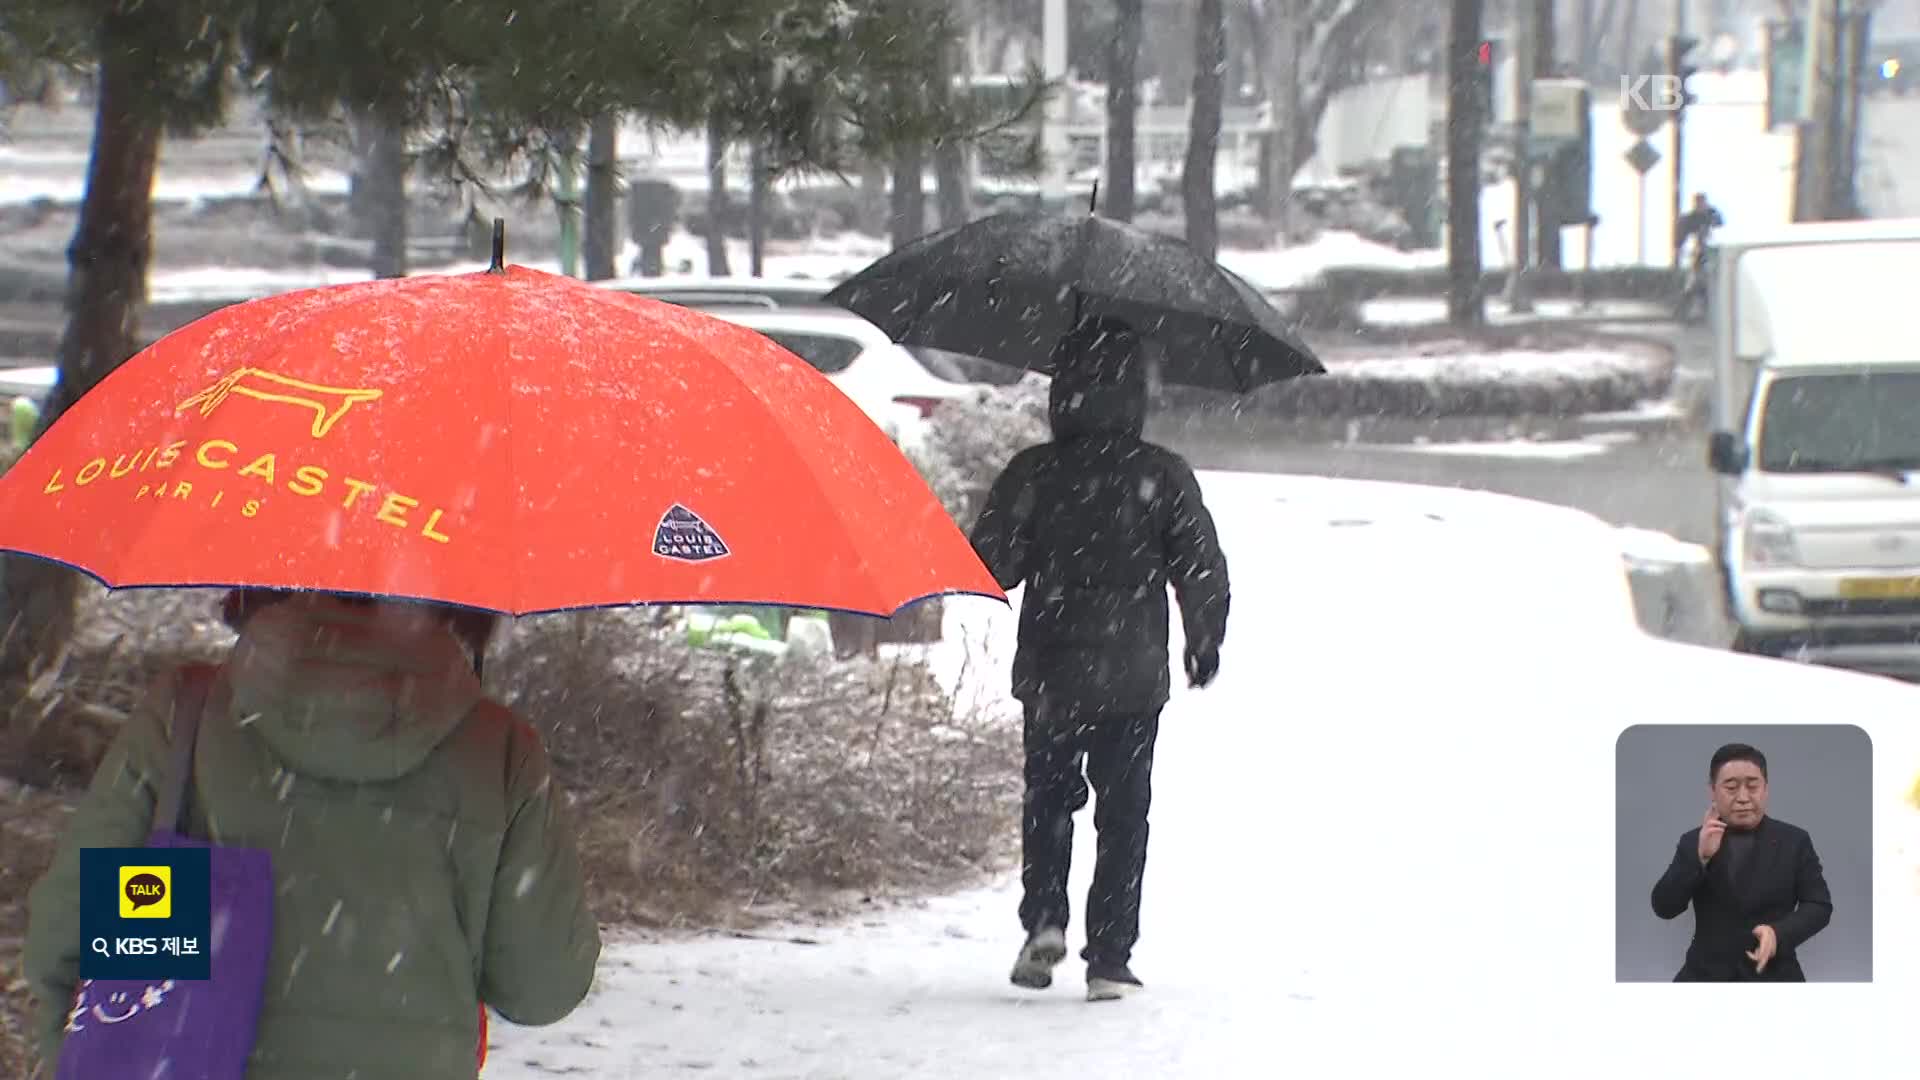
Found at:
[1786, 71]
[1642, 156]
[1559, 109]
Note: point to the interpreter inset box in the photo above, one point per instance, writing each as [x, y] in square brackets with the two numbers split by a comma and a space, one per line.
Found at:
[1743, 853]
[145, 913]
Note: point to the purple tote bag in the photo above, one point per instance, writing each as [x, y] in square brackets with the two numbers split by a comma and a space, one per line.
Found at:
[144, 1030]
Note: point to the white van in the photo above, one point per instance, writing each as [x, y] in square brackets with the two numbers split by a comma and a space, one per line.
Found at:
[1816, 440]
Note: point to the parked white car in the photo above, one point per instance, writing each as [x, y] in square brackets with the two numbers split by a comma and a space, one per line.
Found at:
[899, 387]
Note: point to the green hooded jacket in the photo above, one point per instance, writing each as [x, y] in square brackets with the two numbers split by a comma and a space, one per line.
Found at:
[422, 857]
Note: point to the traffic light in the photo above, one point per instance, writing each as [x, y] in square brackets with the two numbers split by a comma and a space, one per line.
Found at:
[1486, 57]
[1678, 46]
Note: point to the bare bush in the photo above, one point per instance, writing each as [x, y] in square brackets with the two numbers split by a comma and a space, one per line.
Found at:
[700, 777]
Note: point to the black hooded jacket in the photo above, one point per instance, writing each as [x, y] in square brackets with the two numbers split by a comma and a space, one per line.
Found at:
[1096, 524]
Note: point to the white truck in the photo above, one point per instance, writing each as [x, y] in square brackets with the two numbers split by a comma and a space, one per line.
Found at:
[1816, 440]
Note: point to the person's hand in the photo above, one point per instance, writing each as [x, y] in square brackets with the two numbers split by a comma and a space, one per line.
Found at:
[1202, 665]
[1762, 953]
[1711, 830]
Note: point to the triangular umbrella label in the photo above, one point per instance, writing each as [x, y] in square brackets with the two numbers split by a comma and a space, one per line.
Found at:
[683, 536]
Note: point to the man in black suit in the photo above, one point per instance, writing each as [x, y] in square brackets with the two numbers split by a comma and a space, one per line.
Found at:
[1753, 881]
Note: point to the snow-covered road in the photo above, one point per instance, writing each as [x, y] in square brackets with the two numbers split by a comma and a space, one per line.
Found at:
[1382, 840]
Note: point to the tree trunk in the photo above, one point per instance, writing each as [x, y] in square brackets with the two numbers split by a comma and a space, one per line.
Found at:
[600, 247]
[1278, 162]
[1123, 106]
[717, 265]
[951, 189]
[907, 219]
[1466, 304]
[383, 190]
[950, 155]
[1203, 127]
[1548, 210]
[106, 286]
[1629, 34]
[1595, 20]
[873, 198]
[758, 184]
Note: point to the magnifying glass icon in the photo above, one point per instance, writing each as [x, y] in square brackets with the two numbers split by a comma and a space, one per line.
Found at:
[99, 945]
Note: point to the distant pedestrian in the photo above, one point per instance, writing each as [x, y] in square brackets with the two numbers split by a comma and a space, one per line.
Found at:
[1096, 524]
[1697, 225]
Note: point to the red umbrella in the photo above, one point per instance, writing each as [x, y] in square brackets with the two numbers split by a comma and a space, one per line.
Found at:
[509, 440]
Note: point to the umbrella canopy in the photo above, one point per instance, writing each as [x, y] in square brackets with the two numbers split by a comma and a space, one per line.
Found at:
[1008, 287]
[512, 441]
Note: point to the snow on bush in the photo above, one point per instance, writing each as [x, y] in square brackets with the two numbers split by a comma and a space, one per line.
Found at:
[970, 440]
[1457, 379]
[698, 775]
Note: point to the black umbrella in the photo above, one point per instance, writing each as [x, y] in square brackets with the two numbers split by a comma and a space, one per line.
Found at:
[1008, 287]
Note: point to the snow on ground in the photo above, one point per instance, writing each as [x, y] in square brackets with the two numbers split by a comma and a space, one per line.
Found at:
[220, 282]
[1543, 449]
[1535, 364]
[1382, 840]
[70, 185]
[1539, 449]
[827, 259]
[1293, 267]
[1414, 310]
[1663, 409]
[1647, 545]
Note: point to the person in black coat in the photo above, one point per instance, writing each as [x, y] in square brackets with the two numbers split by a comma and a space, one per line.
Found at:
[1697, 224]
[1097, 524]
[1754, 881]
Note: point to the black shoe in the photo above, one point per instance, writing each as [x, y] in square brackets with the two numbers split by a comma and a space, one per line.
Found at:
[1044, 949]
[1110, 982]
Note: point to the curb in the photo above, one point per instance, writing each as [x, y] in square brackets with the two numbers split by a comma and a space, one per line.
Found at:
[1676, 589]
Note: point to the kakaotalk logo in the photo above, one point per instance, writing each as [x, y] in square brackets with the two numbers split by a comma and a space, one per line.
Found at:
[212, 461]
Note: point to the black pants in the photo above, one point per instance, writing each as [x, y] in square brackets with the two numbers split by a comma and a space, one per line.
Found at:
[1115, 750]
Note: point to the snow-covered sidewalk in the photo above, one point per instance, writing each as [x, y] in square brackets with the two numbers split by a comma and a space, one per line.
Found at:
[1382, 841]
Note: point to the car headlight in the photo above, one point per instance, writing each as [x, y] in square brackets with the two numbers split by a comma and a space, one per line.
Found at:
[1767, 540]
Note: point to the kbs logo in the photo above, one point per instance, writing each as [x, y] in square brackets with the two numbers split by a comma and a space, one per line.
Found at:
[1652, 93]
[146, 892]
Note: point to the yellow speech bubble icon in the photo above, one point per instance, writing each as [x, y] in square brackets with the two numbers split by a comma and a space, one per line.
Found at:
[146, 892]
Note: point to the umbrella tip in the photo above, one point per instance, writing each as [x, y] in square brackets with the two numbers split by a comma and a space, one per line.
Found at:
[499, 246]
[1093, 198]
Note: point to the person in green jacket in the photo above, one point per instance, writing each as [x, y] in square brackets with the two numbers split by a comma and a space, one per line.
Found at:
[423, 860]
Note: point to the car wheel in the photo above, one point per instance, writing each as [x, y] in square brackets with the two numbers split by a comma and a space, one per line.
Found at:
[1752, 644]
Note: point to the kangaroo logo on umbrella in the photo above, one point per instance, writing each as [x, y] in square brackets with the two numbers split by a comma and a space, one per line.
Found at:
[683, 536]
[329, 403]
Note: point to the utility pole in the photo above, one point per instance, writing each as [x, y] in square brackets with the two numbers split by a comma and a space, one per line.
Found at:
[1677, 49]
[1853, 36]
[1466, 303]
[1813, 157]
[1546, 64]
[1518, 300]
